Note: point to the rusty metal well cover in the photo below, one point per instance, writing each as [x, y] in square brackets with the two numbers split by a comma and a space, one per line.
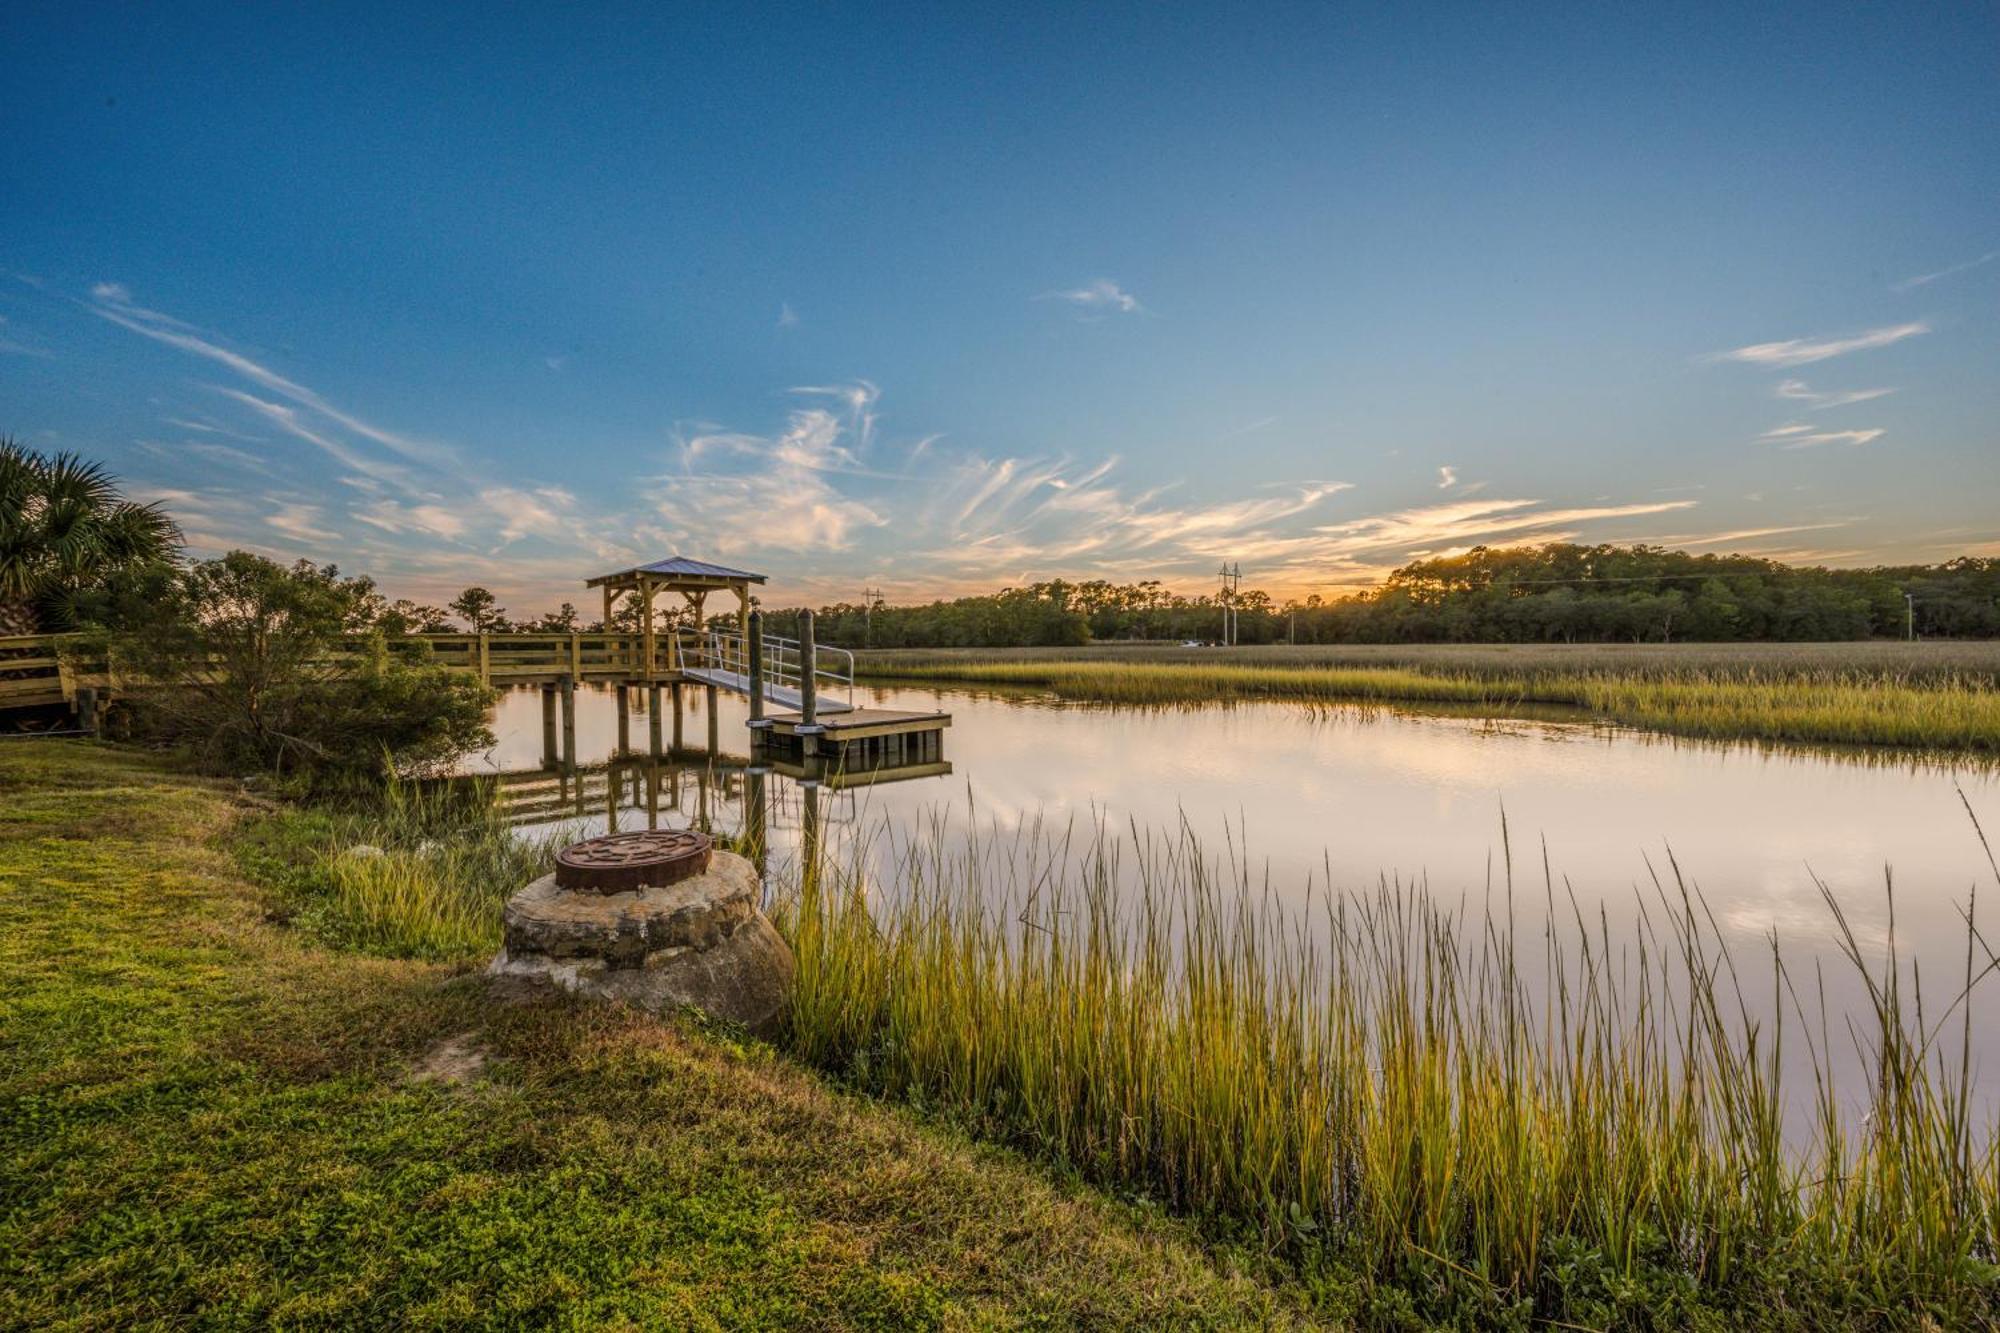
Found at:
[623, 862]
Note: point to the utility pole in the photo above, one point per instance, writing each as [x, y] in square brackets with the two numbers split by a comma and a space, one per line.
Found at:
[870, 599]
[1232, 577]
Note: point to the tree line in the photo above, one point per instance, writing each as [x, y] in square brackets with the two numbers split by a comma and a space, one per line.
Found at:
[68, 537]
[1554, 593]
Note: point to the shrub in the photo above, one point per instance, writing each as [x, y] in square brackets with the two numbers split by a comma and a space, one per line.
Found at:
[249, 666]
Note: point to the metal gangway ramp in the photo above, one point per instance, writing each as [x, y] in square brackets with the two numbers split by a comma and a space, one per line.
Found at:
[713, 657]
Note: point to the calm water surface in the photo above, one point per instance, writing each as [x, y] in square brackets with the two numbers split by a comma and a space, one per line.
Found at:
[1374, 791]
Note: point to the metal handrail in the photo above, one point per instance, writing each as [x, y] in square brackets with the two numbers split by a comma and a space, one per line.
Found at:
[783, 665]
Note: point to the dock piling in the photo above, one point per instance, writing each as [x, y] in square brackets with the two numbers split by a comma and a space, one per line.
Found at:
[549, 751]
[808, 683]
[624, 694]
[653, 719]
[755, 652]
[568, 688]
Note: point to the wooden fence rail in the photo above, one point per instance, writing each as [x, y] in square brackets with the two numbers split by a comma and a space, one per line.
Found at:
[39, 670]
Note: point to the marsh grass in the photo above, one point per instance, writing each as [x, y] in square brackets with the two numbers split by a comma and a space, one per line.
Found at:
[1943, 712]
[1552, 1122]
[419, 871]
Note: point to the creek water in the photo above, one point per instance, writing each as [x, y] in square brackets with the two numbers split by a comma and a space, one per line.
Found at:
[1358, 796]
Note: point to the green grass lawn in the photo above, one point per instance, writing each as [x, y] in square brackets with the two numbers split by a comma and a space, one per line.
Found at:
[207, 1120]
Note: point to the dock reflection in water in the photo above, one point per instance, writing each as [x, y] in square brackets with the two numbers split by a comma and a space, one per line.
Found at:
[767, 811]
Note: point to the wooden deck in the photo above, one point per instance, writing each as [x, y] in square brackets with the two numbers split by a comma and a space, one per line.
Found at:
[858, 740]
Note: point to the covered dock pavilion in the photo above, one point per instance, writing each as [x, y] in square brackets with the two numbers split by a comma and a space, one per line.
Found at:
[693, 579]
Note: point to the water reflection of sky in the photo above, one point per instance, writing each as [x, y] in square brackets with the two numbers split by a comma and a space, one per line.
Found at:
[1369, 793]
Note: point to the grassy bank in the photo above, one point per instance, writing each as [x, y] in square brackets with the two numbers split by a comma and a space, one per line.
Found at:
[1774, 694]
[1572, 1127]
[208, 1119]
[208, 1116]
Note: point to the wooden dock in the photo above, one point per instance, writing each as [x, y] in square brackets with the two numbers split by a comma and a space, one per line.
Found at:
[814, 686]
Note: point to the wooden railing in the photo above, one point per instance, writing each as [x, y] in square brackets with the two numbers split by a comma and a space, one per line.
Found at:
[32, 671]
[42, 669]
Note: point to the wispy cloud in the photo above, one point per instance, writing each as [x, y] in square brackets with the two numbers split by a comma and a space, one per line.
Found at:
[391, 516]
[300, 522]
[208, 452]
[738, 491]
[544, 511]
[207, 427]
[1694, 539]
[1103, 296]
[1804, 351]
[1926, 279]
[1447, 477]
[113, 302]
[788, 318]
[1455, 524]
[290, 421]
[1799, 391]
[1796, 435]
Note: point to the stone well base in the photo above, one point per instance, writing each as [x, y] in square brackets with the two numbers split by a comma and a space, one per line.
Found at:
[699, 943]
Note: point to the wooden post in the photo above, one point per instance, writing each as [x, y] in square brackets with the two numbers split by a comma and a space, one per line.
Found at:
[756, 815]
[86, 708]
[485, 660]
[677, 716]
[743, 612]
[809, 831]
[710, 696]
[624, 717]
[754, 633]
[549, 726]
[569, 723]
[646, 634]
[653, 718]
[808, 673]
[575, 655]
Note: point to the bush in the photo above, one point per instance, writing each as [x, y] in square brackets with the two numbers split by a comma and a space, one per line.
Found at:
[254, 667]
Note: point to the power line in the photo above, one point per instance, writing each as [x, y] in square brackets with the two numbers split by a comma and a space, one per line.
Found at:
[1232, 579]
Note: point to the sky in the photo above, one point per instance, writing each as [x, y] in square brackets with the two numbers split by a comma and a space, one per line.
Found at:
[937, 299]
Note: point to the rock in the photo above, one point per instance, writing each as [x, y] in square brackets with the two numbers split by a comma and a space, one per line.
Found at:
[364, 852]
[698, 943]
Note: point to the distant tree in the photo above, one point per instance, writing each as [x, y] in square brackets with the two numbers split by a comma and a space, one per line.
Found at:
[404, 616]
[476, 606]
[562, 620]
[66, 532]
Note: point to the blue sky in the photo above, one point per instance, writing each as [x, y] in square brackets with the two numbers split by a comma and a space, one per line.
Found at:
[934, 299]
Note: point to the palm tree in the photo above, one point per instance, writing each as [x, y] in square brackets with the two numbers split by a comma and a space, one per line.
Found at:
[64, 529]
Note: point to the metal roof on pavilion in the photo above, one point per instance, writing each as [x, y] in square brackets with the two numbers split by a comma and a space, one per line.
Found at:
[679, 566]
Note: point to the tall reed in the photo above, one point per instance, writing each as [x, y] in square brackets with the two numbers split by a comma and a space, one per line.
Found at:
[1944, 712]
[411, 871]
[1552, 1118]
